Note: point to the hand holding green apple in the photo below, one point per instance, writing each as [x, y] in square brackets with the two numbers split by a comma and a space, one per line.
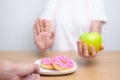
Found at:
[91, 39]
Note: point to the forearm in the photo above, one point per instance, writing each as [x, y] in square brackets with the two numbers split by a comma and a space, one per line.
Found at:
[6, 69]
[96, 26]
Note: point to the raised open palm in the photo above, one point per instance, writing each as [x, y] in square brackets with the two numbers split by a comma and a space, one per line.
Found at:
[43, 33]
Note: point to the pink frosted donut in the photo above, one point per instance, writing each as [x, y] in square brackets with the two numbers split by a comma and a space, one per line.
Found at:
[46, 63]
[62, 63]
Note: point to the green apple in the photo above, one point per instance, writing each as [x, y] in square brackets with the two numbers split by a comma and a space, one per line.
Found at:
[91, 38]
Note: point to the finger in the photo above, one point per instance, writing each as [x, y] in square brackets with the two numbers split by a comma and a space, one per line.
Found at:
[80, 50]
[30, 77]
[33, 76]
[37, 26]
[40, 21]
[34, 29]
[36, 68]
[93, 54]
[47, 25]
[44, 25]
[36, 76]
[86, 54]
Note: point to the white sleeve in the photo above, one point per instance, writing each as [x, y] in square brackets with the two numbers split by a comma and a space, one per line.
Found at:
[49, 10]
[97, 11]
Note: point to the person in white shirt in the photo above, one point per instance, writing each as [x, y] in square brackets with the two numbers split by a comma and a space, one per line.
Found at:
[63, 21]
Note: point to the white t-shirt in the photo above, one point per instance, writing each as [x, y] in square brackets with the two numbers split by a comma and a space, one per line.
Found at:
[70, 19]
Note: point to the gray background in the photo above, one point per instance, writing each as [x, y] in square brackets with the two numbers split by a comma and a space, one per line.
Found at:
[17, 18]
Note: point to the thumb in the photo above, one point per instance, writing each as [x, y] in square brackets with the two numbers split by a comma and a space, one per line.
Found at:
[36, 68]
[24, 69]
[101, 47]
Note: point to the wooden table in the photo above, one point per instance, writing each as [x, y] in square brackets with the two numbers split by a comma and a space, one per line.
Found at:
[105, 66]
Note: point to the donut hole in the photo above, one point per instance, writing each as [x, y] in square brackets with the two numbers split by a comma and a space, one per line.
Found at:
[64, 62]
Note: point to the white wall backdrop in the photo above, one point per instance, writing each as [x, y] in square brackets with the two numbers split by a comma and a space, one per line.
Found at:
[16, 23]
[111, 31]
[17, 18]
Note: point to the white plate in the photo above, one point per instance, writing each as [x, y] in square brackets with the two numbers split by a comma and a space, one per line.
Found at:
[55, 72]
